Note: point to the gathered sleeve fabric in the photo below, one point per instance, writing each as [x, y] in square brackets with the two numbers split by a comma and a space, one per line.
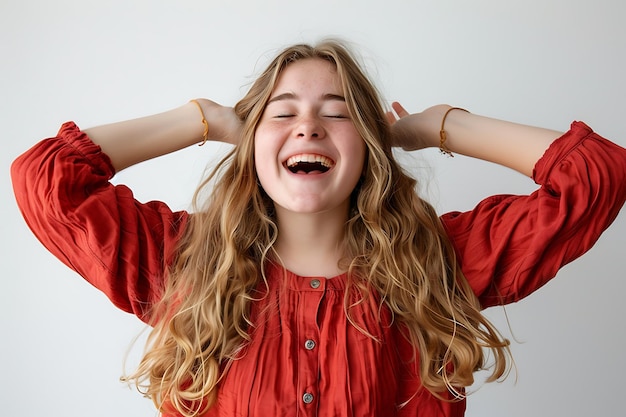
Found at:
[508, 246]
[96, 228]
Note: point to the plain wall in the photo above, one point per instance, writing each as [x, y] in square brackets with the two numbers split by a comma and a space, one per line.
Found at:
[537, 62]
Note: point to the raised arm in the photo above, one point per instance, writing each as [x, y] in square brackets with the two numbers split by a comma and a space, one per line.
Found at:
[510, 245]
[118, 244]
[130, 142]
[509, 144]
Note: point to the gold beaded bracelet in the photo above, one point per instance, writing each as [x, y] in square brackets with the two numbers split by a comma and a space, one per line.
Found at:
[442, 133]
[205, 134]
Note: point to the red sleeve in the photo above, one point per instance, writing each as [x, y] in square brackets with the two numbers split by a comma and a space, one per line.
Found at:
[509, 246]
[99, 230]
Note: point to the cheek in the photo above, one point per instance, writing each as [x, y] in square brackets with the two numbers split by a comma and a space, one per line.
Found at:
[258, 156]
[263, 160]
[358, 148]
[264, 143]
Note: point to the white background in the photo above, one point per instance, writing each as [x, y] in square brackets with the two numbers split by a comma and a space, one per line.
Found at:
[538, 62]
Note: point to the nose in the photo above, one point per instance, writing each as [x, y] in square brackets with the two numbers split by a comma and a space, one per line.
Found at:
[310, 127]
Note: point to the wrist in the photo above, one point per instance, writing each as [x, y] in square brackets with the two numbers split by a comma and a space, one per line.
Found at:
[443, 133]
[428, 124]
[203, 120]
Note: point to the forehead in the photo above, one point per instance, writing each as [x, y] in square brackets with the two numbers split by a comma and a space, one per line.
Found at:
[308, 74]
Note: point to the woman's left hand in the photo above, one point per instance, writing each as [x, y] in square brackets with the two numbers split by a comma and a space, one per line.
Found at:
[410, 131]
[512, 145]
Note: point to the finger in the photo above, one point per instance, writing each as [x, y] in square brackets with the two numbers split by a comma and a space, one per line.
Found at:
[391, 118]
[401, 111]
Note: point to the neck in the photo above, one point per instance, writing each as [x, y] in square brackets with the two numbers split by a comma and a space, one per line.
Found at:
[310, 244]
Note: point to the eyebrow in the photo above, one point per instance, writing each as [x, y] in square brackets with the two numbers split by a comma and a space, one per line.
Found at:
[292, 96]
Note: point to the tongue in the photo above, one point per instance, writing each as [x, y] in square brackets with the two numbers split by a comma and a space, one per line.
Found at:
[310, 172]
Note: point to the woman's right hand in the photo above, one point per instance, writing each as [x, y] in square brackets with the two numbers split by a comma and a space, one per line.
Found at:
[133, 141]
[224, 125]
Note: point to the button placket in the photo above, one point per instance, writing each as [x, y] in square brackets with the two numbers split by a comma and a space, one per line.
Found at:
[312, 293]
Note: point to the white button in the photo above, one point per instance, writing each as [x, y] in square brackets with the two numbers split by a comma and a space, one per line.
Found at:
[315, 283]
[309, 344]
[307, 398]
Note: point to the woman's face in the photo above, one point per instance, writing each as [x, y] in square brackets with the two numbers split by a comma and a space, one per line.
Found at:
[308, 154]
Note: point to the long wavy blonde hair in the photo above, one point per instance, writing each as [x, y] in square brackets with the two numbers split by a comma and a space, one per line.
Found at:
[396, 246]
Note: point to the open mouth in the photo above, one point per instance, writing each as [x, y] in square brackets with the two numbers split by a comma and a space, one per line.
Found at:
[309, 164]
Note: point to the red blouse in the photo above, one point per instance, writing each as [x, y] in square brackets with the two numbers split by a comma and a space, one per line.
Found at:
[305, 358]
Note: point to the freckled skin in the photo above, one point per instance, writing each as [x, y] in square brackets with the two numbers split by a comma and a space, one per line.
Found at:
[307, 116]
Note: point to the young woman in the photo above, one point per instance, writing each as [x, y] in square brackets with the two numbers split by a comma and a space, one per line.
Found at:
[314, 280]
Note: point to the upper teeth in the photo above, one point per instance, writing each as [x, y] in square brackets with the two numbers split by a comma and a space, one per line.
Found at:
[309, 158]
